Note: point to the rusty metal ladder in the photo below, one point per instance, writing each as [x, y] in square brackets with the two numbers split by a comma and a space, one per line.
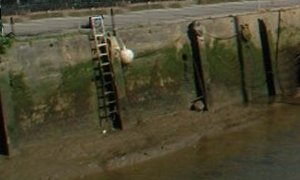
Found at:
[107, 96]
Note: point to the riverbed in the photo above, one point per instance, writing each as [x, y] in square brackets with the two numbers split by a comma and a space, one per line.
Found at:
[267, 150]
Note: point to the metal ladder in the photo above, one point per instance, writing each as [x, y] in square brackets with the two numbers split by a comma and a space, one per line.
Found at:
[107, 96]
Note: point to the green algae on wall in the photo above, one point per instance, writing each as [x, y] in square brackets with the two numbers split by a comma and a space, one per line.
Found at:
[157, 78]
[154, 73]
[8, 107]
[255, 73]
[223, 70]
[159, 81]
[22, 98]
[5, 43]
[72, 96]
[69, 101]
[223, 65]
[289, 69]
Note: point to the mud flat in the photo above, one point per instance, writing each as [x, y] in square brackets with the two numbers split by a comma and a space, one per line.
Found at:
[79, 155]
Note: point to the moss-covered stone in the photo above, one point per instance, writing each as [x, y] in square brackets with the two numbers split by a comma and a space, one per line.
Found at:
[5, 43]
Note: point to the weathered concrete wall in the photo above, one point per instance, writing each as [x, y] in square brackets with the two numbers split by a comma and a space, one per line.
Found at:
[219, 44]
[49, 80]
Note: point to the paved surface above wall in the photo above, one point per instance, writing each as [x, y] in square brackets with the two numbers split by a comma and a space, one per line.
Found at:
[145, 17]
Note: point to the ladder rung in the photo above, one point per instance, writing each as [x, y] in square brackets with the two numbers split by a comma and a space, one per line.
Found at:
[112, 112]
[103, 54]
[109, 92]
[101, 45]
[105, 95]
[107, 73]
[111, 102]
[105, 64]
[99, 35]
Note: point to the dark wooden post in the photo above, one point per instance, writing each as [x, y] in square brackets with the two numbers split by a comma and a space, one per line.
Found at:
[197, 65]
[267, 57]
[1, 25]
[12, 25]
[4, 148]
[112, 14]
[241, 59]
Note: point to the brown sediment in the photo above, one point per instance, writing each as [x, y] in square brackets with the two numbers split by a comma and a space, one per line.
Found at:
[79, 155]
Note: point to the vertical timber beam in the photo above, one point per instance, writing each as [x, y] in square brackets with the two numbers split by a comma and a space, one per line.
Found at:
[12, 25]
[197, 64]
[241, 59]
[1, 25]
[4, 147]
[267, 57]
[113, 24]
